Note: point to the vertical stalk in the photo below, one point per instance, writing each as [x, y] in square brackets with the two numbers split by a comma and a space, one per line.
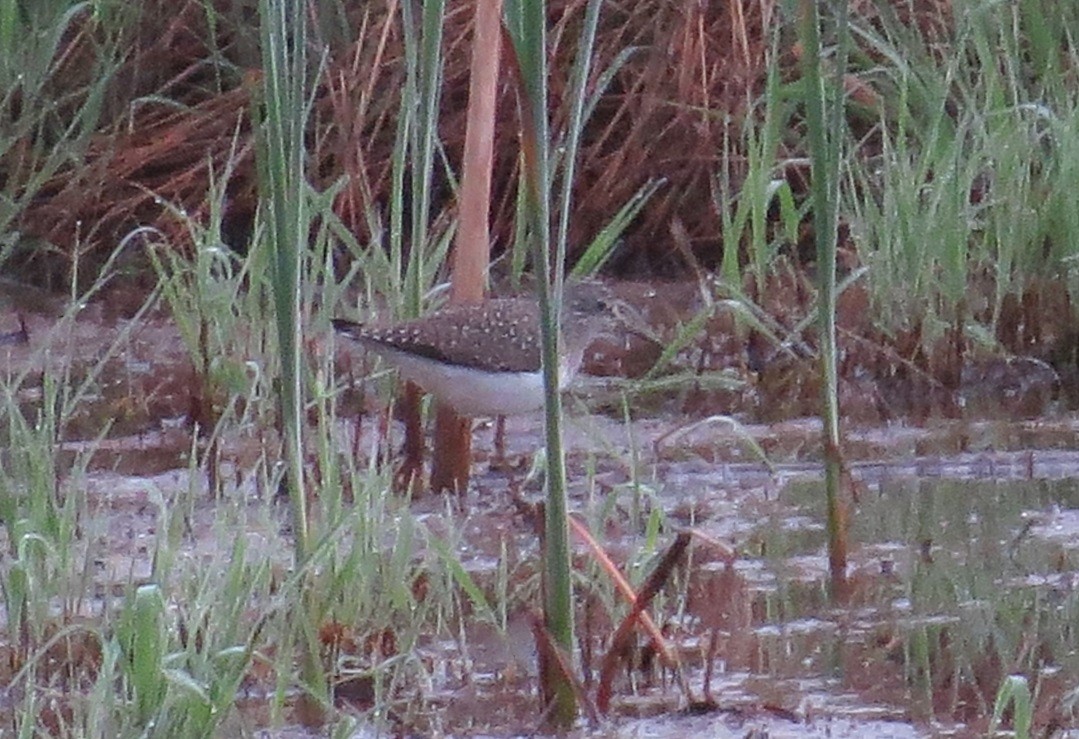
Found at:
[825, 142]
[284, 33]
[452, 460]
[423, 52]
[528, 27]
[419, 130]
[283, 190]
[582, 67]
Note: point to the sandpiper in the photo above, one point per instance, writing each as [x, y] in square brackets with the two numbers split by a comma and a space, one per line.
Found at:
[484, 359]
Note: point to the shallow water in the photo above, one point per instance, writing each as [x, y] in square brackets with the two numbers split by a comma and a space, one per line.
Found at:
[963, 568]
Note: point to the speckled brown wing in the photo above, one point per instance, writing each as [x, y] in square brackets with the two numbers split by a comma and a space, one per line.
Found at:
[493, 336]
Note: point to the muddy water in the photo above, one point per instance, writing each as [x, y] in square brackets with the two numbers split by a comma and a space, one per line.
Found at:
[964, 568]
[964, 571]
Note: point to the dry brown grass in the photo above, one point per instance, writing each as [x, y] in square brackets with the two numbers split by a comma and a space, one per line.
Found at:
[697, 71]
[166, 127]
[697, 74]
[698, 65]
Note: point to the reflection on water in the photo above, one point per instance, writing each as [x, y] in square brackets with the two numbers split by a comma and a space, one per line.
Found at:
[963, 569]
[955, 585]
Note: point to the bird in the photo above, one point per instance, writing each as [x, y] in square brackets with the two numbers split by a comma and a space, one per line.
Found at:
[484, 359]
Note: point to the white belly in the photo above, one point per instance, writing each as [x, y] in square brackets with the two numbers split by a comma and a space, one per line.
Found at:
[473, 392]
